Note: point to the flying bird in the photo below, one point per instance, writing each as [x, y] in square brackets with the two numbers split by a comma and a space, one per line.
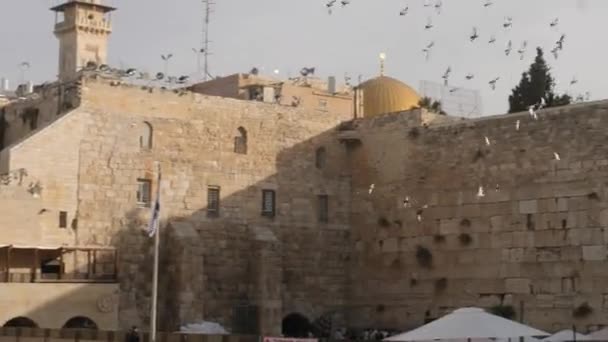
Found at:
[404, 11]
[492, 39]
[446, 75]
[480, 192]
[488, 3]
[554, 23]
[509, 48]
[427, 50]
[371, 188]
[429, 24]
[508, 22]
[574, 81]
[160, 76]
[560, 43]
[522, 50]
[469, 76]
[493, 83]
[438, 6]
[555, 52]
[427, 3]
[532, 112]
[556, 156]
[452, 90]
[474, 34]
[487, 141]
[166, 57]
[345, 2]
[329, 6]
[183, 79]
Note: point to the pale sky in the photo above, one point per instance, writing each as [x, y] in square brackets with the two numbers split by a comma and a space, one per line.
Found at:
[290, 34]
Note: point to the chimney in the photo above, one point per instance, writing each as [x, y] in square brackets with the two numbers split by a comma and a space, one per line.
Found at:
[4, 85]
[331, 85]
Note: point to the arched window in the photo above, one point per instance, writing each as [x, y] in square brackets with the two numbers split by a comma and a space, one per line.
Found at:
[145, 136]
[21, 322]
[240, 141]
[80, 322]
[320, 156]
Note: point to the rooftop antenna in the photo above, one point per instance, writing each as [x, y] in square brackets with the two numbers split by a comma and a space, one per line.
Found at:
[208, 6]
[23, 67]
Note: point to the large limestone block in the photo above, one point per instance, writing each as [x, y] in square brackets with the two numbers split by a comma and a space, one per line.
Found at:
[517, 285]
[528, 207]
[594, 253]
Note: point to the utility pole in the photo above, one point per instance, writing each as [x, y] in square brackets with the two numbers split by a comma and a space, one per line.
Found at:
[208, 5]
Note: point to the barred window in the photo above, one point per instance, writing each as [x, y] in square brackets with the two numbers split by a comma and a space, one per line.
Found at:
[144, 190]
[323, 208]
[213, 201]
[268, 203]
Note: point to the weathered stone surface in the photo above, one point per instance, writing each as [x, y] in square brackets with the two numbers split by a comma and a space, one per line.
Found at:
[594, 253]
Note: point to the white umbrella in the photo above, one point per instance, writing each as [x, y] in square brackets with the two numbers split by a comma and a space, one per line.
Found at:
[469, 323]
[600, 335]
[566, 335]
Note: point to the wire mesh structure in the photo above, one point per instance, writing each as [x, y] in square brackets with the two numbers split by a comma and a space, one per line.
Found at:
[455, 101]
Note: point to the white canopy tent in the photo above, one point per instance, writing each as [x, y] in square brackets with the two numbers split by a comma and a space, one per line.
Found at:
[469, 324]
[566, 336]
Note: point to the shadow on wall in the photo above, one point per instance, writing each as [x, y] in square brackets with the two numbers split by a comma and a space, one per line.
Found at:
[268, 248]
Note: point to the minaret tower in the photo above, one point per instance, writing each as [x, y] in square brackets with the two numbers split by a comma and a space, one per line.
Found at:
[83, 28]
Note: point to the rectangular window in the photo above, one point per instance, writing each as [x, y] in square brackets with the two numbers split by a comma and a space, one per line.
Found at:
[268, 203]
[213, 201]
[323, 208]
[63, 219]
[144, 190]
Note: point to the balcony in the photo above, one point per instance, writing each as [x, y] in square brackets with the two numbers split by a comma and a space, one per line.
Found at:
[53, 285]
[31, 264]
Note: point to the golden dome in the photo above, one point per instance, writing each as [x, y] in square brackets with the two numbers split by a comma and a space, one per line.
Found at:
[383, 95]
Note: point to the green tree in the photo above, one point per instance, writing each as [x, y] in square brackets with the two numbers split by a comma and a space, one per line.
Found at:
[431, 105]
[536, 83]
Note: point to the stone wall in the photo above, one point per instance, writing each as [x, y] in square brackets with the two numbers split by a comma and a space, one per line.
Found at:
[37, 110]
[424, 243]
[52, 305]
[289, 263]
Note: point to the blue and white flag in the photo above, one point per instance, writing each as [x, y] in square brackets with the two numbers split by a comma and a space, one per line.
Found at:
[154, 220]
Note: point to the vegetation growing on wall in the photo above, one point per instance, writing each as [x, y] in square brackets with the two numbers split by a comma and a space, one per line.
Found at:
[582, 311]
[424, 257]
[465, 239]
[441, 284]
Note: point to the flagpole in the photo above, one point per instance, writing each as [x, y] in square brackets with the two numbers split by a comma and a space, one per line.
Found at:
[155, 271]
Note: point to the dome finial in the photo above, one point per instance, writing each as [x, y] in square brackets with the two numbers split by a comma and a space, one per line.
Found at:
[382, 59]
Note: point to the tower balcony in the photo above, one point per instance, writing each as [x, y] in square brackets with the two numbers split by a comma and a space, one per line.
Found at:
[104, 26]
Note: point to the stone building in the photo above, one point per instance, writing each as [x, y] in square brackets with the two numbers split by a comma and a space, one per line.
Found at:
[270, 210]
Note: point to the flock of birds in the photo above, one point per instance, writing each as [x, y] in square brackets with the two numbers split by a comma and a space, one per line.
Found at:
[474, 37]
